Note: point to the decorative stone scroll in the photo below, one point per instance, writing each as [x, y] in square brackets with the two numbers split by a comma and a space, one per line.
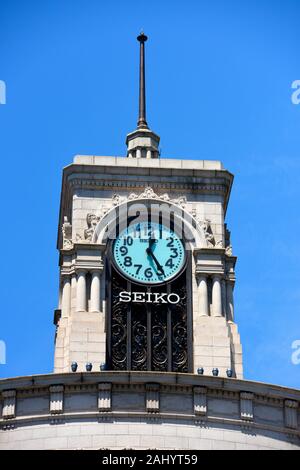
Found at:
[152, 398]
[9, 404]
[200, 401]
[104, 397]
[246, 406]
[56, 399]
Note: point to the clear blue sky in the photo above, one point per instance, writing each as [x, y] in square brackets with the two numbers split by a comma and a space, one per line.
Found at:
[219, 77]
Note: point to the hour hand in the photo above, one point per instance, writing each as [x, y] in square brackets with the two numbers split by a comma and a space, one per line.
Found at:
[151, 241]
[159, 266]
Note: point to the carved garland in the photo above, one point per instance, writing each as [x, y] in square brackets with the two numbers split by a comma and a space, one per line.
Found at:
[92, 220]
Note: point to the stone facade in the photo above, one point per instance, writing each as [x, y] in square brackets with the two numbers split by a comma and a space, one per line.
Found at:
[93, 187]
[138, 410]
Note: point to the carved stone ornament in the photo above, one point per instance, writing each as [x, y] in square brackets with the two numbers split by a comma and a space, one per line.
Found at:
[92, 221]
[208, 233]
[228, 246]
[205, 224]
[67, 234]
[148, 193]
[228, 250]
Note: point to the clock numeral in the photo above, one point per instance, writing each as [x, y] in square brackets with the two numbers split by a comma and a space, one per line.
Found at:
[171, 242]
[175, 251]
[148, 273]
[127, 261]
[170, 263]
[138, 266]
[123, 250]
[128, 241]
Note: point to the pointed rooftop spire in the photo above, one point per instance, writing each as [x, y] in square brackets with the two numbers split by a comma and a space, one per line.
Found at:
[142, 123]
[142, 143]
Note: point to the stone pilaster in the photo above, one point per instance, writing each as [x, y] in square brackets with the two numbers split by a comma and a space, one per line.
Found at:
[246, 406]
[291, 414]
[81, 302]
[200, 401]
[56, 405]
[152, 398]
[95, 291]
[104, 396]
[9, 404]
[216, 296]
[202, 296]
[66, 296]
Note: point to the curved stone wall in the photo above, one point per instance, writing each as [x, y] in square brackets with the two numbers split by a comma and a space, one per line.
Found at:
[117, 410]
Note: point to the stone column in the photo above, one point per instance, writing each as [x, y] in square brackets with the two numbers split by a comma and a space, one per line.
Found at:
[217, 296]
[66, 296]
[138, 153]
[224, 298]
[81, 292]
[229, 302]
[202, 296]
[73, 291]
[148, 153]
[95, 292]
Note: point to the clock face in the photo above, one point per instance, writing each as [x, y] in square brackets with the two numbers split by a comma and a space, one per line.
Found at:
[149, 253]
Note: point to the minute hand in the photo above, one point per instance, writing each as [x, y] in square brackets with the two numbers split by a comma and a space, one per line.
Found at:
[159, 266]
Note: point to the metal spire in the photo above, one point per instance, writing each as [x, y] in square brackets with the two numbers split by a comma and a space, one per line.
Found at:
[142, 123]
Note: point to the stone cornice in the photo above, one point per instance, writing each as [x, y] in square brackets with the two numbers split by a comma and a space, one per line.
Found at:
[130, 176]
[219, 384]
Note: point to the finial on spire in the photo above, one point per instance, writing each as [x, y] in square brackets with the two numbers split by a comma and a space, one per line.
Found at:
[142, 123]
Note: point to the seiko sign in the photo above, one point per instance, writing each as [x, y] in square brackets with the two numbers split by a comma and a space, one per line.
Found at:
[149, 297]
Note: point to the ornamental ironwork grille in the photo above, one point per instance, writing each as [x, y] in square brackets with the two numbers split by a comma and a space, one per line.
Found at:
[145, 336]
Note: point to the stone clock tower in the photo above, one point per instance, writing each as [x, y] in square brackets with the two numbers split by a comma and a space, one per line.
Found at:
[146, 264]
[147, 352]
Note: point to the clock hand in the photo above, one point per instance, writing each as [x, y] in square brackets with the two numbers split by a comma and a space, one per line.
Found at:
[151, 242]
[159, 266]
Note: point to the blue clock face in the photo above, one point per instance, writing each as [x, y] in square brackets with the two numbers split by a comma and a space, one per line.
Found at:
[148, 253]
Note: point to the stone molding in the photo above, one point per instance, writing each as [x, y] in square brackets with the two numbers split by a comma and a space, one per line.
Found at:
[152, 398]
[9, 404]
[200, 187]
[74, 260]
[290, 414]
[56, 399]
[104, 396]
[199, 390]
[246, 406]
[200, 401]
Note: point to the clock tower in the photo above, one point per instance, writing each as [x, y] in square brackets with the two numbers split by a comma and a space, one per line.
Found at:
[146, 263]
[147, 351]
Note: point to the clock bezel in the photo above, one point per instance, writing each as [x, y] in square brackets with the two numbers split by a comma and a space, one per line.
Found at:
[148, 284]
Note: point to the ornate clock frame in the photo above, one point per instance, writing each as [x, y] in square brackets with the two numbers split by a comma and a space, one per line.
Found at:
[144, 335]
